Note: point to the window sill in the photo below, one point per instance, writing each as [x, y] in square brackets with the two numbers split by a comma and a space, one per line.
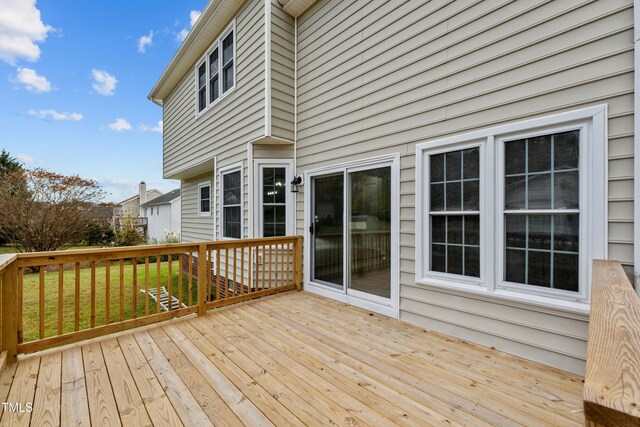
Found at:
[525, 300]
[216, 102]
[206, 214]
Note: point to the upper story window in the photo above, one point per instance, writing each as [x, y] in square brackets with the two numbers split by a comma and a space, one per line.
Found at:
[204, 199]
[518, 211]
[215, 72]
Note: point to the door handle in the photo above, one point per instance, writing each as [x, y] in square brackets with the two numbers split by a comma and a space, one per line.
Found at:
[311, 228]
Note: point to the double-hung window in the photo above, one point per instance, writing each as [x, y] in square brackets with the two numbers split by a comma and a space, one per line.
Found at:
[517, 211]
[455, 212]
[231, 203]
[215, 72]
[204, 199]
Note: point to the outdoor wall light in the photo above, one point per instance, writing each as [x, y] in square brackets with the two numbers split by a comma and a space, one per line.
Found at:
[297, 182]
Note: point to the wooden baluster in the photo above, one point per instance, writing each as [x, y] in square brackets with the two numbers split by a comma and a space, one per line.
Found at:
[281, 250]
[60, 296]
[235, 282]
[263, 258]
[202, 282]
[170, 280]
[277, 267]
[93, 294]
[209, 280]
[298, 262]
[250, 270]
[190, 276]
[270, 265]
[20, 305]
[134, 268]
[158, 283]
[107, 293]
[146, 286]
[121, 305]
[41, 300]
[180, 266]
[289, 264]
[226, 273]
[77, 325]
[242, 284]
[217, 292]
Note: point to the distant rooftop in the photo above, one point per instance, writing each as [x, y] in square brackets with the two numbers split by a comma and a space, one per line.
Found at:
[164, 199]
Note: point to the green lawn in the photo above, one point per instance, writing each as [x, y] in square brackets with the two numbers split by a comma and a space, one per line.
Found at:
[31, 296]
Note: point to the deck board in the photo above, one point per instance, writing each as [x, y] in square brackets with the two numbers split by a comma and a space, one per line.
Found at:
[288, 360]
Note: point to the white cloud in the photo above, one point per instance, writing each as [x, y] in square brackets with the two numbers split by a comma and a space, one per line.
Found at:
[157, 128]
[32, 81]
[180, 36]
[25, 158]
[55, 115]
[120, 125]
[21, 28]
[193, 16]
[145, 41]
[103, 82]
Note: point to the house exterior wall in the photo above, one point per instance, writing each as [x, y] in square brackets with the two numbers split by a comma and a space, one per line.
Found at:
[377, 78]
[176, 214]
[237, 118]
[194, 227]
[158, 222]
[282, 72]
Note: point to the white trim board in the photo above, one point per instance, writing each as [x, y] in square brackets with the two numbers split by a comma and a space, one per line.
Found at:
[636, 143]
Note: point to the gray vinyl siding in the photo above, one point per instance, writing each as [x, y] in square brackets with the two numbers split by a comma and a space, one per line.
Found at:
[282, 72]
[237, 118]
[195, 228]
[378, 77]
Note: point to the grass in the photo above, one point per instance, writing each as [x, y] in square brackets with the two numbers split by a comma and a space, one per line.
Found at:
[31, 314]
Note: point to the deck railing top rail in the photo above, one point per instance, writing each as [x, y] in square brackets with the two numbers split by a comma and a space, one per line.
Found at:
[612, 380]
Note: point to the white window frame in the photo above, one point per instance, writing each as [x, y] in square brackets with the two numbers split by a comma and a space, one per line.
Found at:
[372, 303]
[205, 59]
[238, 167]
[201, 185]
[593, 208]
[259, 164]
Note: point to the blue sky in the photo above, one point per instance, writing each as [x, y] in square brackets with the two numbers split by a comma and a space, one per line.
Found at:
[74, 80]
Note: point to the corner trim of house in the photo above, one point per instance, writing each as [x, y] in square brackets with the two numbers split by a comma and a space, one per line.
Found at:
[636, 138]
[267, 67]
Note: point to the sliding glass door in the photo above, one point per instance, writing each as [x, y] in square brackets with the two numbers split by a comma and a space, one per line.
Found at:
[350, 232]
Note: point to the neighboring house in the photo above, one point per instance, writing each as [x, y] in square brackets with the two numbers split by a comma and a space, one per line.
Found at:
[163, 216]
[130, 208]
[462, 163]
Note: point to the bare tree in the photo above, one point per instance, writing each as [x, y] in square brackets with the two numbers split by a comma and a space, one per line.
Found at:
[44, 211]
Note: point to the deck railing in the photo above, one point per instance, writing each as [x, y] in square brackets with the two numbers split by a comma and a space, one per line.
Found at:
[55, 298]
[612, 380]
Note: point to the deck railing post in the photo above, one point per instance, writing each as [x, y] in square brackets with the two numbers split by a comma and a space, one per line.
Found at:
[9, 294]
[297, 266]
[202, 279]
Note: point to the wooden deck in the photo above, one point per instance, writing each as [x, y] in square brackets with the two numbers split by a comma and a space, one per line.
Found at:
[290, 359]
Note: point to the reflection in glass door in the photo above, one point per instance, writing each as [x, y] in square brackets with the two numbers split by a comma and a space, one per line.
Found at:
[327, 230]
[354, 255]
[370, 231]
